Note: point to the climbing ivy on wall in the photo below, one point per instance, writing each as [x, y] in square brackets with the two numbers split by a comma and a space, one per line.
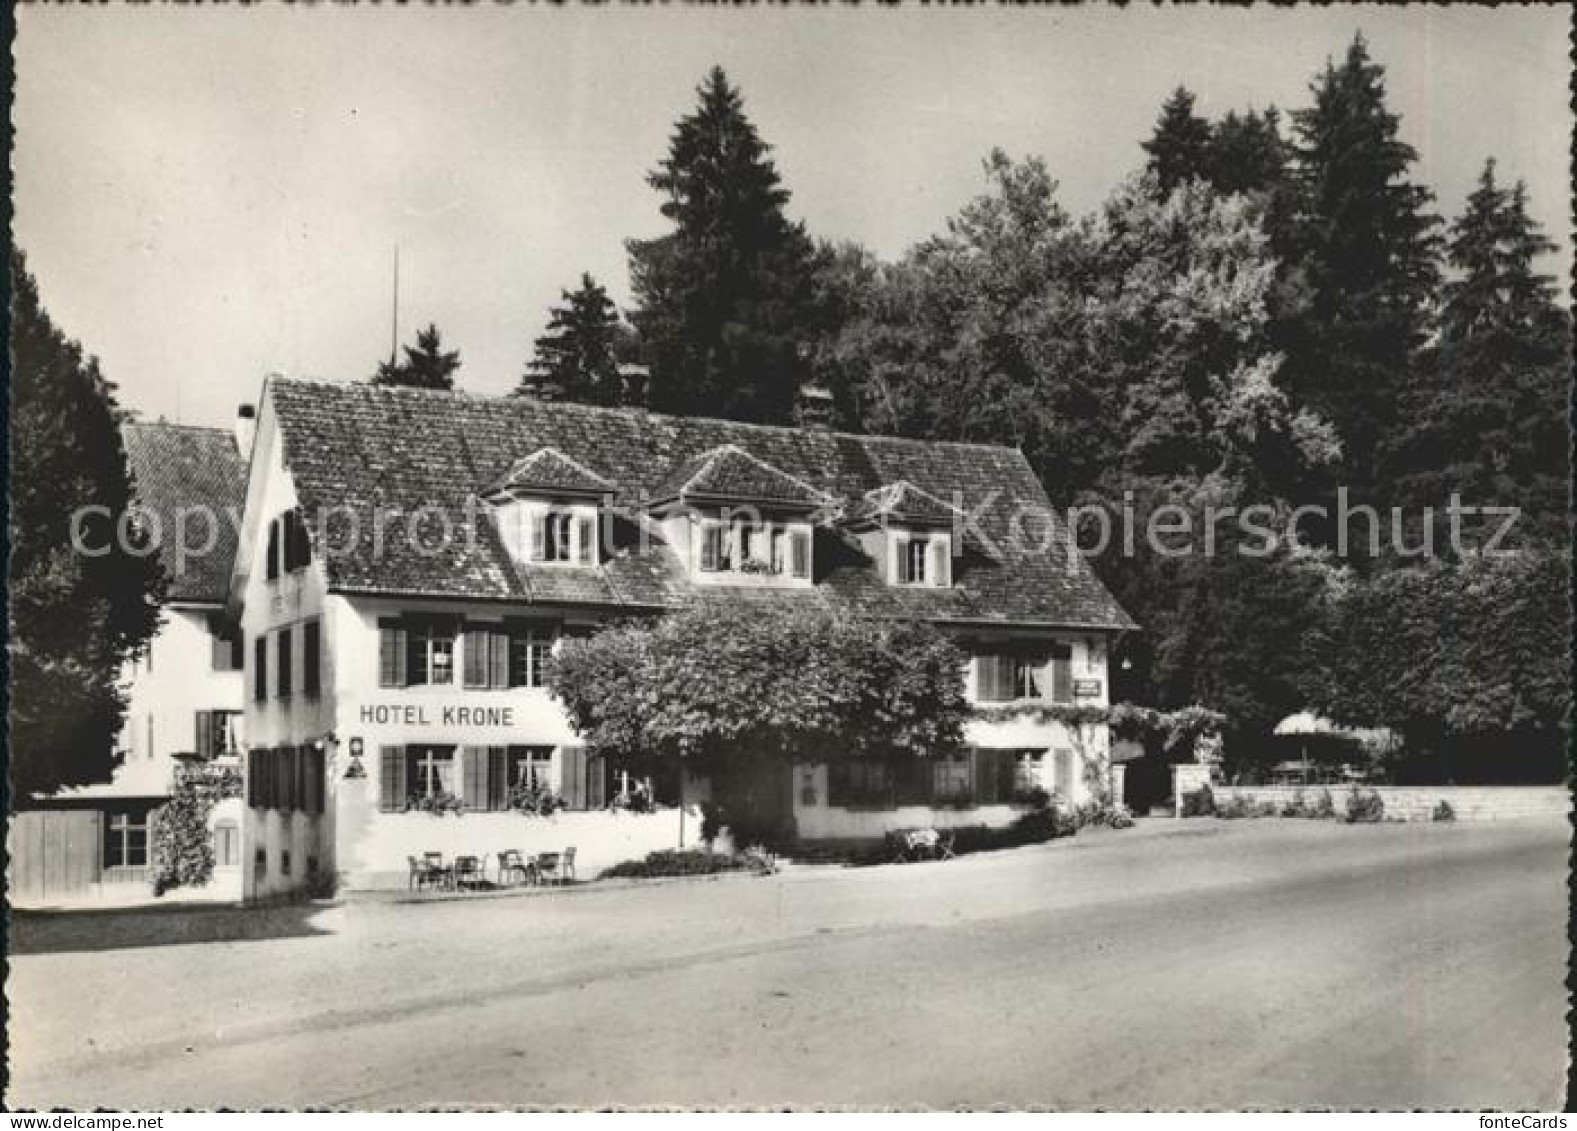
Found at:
[183, 847]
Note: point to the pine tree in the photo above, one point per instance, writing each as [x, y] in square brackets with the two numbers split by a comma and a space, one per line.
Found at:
[75, 615]
[578, 358]
[1179, 148]
[1489, 418]
[724, 299]
[426, 366]
[1367, 250]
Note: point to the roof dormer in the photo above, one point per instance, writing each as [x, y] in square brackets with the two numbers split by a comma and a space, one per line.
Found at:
[909, 532]
[547, 473]
[729, 474]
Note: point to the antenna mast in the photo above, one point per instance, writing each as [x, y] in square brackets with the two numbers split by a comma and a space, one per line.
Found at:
[394, 327]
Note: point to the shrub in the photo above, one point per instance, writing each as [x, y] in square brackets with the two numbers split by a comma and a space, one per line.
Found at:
[1364, 806]
[686, 862]
[1265, 809]
[1200, 803]
[534, 799]
[1236, 807]
[1297, 807]
[1444, 812]
[1324, 807]
[437, 804]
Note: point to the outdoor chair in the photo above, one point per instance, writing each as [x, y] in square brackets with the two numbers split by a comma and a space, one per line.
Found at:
[437, 871]
[421, 875]
[468, 871]
[944, 846]
[916, 844]
[549, 866]
[567, 865]
[512, 866]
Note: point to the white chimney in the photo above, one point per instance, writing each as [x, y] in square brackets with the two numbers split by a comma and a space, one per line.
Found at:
[245, 429]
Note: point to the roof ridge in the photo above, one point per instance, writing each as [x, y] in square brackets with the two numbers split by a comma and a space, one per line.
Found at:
[636, 410]
[217, 430]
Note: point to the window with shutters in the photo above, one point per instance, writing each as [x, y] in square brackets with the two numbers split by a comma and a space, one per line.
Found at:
[227, 652]
[414, 651]
[260, 667]
[485, 656]
[271, 556]
[1039, 675]
[753, 549]
[922, 559]
[430, 772]
[218, 733]
[286, 662]
[311, 659]
[549, 535]
[855, 783]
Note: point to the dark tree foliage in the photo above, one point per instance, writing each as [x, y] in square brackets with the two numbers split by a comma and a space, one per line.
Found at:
[74, 618]
[1179, 148]
[1367, 249]
[578, 358]
[725, 299]
[426, 366]
[1488, 418]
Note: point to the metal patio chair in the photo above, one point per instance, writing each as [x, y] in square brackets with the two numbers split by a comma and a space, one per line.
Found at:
[468, 872]
[549, 867]
[513, 867]
[437, 871]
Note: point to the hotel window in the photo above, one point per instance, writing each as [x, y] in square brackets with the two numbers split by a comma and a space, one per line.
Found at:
[311, 659]
[431, 770]
[950, 779]
[416, 650]
[758, 548]
[530, 656]
[218, 732]
[126, 841]
[1006, 677]
[260, 667]
[562, 536]
[859, 784]
[286, 664]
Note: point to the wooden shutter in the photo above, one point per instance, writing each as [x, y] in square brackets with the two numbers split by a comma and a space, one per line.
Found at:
[572, 776]
[260, 667]
[311, 658]
[596, 781]
[1062, 773]
[901, 563]
[476, 657]
[391, 778]
[1062, 677]
[799, 553]
[271, 566]
[995, 673]
[392, 644]
[586, 540]
[498, 777]
[222, 650]
[285, 641]
[539, 536]
[981, 780]
[205, 734]
[498, 659]
[940, 562]
[710, 536]
[473, 776]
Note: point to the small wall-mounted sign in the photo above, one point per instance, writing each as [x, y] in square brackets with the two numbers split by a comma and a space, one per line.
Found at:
[1086, 688]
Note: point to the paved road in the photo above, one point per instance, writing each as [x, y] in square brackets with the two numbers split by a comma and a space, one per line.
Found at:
[1196, 964]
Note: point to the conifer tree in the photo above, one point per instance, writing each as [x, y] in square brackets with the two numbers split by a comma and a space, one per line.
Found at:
[578, 358]
[77, 611]
[725, 298]
[1179, 148]
[1367, 249]
[426, 366]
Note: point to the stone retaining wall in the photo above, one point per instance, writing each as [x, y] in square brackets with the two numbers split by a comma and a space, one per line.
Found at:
[1417, 803]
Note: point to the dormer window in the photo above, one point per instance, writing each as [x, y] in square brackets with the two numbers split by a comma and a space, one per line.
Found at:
[542, 534]
[922, 559]
[765, 549]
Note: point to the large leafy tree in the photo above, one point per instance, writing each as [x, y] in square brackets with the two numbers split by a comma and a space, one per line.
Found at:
[1488, 418]
[724, 299]
[743, 691]
[427, 365]
[75, 616]
[1367, 248]
[1469, 660]
[578, 358]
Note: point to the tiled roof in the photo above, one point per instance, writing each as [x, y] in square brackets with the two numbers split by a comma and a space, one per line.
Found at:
[547, 469]
[177, 468]
[363, 447]
[730, 472]
[902, 502]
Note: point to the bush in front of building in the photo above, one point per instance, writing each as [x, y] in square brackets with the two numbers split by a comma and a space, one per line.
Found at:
[535, 799]
[687, 862]
[183, 845]
[436, 804]
[1199, 803]
[1443, 812]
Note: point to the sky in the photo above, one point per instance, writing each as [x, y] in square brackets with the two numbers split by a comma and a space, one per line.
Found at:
[210, 194]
